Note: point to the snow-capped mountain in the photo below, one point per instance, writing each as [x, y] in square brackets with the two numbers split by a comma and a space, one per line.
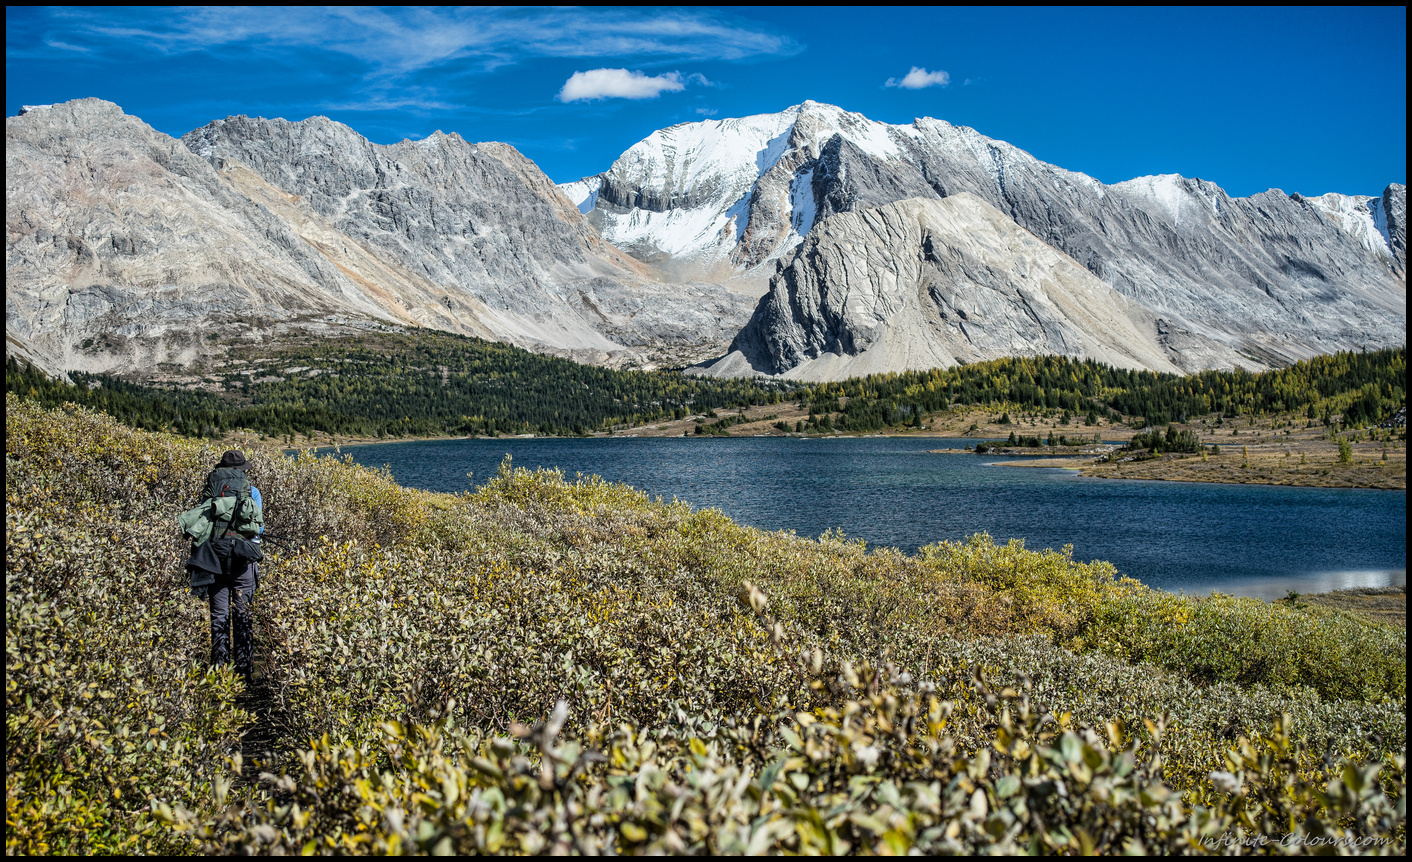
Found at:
[1271, 278]
[738, 189]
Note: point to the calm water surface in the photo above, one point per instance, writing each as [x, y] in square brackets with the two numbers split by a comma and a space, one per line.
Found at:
[1195, 537]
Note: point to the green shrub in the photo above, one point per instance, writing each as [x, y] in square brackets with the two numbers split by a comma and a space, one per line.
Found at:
[880, 774]
[408, 642]
[108, 696]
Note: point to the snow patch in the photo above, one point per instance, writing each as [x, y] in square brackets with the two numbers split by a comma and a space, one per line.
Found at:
[678, 232]
[738, 216]
[1165, 190]
[873, 138]
[803, 209]
[1380, 219]
[771, 152]
[1359, 216]
[583, 193]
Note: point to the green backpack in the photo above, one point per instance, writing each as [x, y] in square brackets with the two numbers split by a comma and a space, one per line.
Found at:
[245, 516]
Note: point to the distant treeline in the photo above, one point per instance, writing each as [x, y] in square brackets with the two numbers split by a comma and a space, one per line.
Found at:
[394, 385]
[428, 384]
[1354, 388]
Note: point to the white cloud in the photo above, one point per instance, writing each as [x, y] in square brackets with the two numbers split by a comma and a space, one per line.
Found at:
[404, 40]
[618, 84]
[919, 78]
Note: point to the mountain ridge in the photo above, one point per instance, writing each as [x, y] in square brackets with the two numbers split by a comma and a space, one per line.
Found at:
[937, 282]
[129, 250]
[1272, 278]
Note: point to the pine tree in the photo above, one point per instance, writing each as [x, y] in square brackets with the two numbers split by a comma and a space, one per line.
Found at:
[1345, 451]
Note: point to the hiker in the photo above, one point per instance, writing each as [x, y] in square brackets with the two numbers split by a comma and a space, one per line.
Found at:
[225, 529]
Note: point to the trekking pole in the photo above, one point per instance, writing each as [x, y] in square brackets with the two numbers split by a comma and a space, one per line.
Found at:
[279, 540]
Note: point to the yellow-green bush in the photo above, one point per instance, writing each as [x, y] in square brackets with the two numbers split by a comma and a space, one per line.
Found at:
[108, 696]
[880, 774]
[408, 640]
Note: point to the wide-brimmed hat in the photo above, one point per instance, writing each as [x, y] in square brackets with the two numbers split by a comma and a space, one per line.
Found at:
[234, 458]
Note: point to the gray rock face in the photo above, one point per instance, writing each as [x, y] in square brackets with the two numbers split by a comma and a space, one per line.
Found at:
[482, 220]
[1272, 277]
[1394, 210]
[923, 283]
[125, 248]
[458, 215]
[846, 179]
[1269, 275]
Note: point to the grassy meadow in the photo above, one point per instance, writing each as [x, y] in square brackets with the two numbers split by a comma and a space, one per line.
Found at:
[542, 665]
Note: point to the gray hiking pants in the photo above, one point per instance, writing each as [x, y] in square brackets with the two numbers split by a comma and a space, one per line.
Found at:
[231, 596]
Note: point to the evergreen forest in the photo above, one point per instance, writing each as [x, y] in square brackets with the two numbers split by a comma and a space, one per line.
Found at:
[1353, 388]
[398, 385]
[433, 384]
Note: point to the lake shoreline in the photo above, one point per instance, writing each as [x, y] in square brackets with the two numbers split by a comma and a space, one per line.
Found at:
[1261, 469]
[1266, 468]
[893, 492]
[1385, 605]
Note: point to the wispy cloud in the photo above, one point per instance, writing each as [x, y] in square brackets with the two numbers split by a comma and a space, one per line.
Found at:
[618, 84]
[919, 78]
[395, 41]
[64, 46]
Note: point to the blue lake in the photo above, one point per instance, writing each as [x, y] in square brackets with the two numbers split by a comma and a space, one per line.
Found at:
[1195, 537]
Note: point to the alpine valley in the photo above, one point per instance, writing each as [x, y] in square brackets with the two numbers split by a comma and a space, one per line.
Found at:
[812, 244]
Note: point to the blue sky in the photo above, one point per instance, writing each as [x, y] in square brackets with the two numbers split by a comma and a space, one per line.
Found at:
[1307, 100]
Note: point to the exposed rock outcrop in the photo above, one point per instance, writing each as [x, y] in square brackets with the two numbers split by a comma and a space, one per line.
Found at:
[1394, 223]
[924, 283]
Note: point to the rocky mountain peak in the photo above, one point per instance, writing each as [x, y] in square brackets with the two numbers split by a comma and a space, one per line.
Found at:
[1239, 272]
[126, 246]
[926, 282]
[1391, 221]
[722, 189]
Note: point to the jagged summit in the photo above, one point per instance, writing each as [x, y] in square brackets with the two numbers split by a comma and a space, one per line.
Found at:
[721, 188]
[1230, 277]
